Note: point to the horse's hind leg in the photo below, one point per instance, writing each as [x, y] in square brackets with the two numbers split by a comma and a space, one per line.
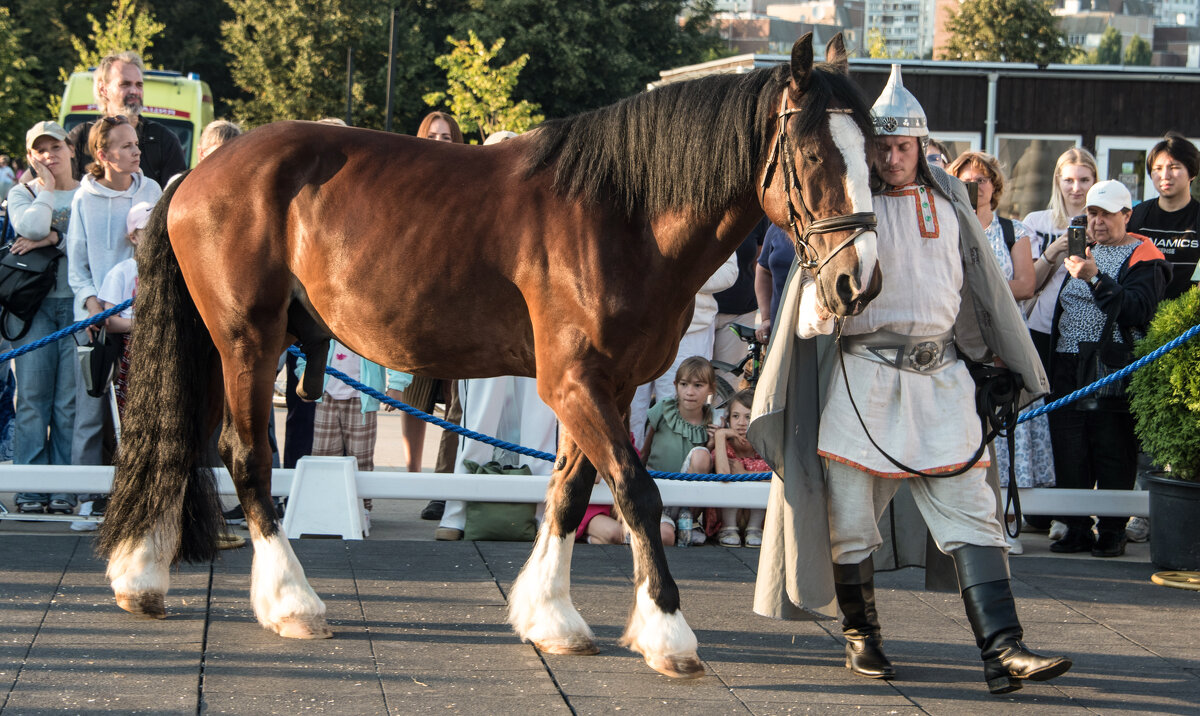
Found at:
[283, 601]
[539, 603]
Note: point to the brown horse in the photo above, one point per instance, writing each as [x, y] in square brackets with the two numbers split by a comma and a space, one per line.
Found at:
[571, 254]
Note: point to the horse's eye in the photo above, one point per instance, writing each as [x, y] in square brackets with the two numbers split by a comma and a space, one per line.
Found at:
[812, 158]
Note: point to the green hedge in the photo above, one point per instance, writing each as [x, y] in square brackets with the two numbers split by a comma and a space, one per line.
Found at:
[1165, 395]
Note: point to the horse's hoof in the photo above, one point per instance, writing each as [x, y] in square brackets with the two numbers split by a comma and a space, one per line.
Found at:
[570, 646]
[303, 628]
[145, 604]
[677, 667]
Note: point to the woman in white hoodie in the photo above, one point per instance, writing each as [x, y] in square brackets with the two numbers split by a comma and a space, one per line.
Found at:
[95, 243]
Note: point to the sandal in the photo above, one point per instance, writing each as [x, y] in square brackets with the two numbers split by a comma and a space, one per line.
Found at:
[753, 537]
[728, 537]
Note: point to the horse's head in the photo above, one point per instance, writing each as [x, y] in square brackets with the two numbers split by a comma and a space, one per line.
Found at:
[815, 184]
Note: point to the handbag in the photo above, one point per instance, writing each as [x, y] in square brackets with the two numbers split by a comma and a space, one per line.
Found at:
[98, 361]
[1100, 359]
[499, 521]
[25, 281]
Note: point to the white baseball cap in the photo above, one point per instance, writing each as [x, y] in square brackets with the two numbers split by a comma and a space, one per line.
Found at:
[137, 217]
[1110, 195]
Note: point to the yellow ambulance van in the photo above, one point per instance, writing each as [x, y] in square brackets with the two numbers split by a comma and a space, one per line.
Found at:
[182, 103]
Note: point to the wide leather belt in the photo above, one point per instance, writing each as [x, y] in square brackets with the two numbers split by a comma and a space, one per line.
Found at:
[917, 354]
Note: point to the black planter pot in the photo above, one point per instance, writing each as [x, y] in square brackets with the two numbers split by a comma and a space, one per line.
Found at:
[1174, 522]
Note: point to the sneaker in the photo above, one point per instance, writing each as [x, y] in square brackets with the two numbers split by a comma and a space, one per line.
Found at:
[234, 516]
[447, 534]
[1138, 529]
[85, 526]
[1058, 530]
[99, 504]
[31, 508]
[60, 506]
[1014, 544]
[698, 537]
[366, 523]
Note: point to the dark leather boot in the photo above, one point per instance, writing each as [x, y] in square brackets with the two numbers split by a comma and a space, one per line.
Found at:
[854, 585]
[983, 580]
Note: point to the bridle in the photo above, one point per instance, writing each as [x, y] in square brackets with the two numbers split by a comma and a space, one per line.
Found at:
[858, 222]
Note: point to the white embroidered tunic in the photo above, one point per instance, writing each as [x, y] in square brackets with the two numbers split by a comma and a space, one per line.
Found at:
[927, 422]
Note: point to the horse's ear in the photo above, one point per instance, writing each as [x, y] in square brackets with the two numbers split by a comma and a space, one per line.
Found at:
[835, 55]
[802, 63]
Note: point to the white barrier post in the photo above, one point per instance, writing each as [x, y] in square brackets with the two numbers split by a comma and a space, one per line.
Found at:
[324, 499]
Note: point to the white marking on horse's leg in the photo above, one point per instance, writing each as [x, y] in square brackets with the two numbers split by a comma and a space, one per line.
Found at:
[539, 603]
[849, 140]
[664, 640]
[283, 601]
[140, 571]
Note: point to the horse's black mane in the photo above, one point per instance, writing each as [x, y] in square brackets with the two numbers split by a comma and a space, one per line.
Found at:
[695, 144]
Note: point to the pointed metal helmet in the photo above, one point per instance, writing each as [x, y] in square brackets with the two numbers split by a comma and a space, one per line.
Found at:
[897, 112]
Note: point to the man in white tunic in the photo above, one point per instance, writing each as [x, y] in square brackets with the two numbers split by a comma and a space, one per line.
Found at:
[942, 293]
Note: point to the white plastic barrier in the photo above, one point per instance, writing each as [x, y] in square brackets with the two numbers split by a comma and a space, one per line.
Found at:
[325, 500]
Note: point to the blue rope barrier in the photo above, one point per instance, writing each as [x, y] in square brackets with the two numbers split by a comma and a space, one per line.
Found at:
[64, 332]
[513, 447]
[1119, 375]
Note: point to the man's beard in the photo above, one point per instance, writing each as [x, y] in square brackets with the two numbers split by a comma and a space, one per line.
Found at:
[130, 109]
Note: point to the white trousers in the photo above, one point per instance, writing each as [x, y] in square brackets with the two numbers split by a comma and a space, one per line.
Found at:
[959, 510]
[507, 408]
[700, 344]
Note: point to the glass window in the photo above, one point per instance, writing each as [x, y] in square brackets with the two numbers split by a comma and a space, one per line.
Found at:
[1028, 163]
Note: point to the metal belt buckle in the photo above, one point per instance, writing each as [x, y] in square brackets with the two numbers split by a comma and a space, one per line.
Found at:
[925, 356]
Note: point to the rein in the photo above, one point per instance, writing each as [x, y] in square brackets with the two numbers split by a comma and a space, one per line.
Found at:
[858, 223]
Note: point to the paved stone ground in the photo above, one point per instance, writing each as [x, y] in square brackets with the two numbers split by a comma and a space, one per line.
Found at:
[420, 628]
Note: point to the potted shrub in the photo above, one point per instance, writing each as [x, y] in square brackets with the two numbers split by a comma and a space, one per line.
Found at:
[1165, 400]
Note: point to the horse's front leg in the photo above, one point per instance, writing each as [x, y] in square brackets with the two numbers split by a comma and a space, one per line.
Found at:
[282, 599]
[656, 627]
[539, 603]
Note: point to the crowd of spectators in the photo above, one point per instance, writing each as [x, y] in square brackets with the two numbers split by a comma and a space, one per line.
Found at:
[89, 191]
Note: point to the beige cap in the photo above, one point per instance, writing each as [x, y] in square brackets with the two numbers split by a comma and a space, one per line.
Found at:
[44, 129]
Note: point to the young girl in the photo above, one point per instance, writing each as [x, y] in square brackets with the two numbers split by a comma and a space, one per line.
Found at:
[732, 454]
[678, 425]
[120, 285]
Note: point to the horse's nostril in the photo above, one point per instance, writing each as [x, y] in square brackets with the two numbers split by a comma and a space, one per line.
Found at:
[848, 289]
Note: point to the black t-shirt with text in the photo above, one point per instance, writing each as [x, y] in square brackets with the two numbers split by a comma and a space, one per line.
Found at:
[1176, 234]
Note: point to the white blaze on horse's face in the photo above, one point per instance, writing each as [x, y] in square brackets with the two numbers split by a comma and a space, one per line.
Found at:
[850, 141]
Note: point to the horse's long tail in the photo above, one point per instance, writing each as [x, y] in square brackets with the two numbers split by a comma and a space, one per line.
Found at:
[161, 477]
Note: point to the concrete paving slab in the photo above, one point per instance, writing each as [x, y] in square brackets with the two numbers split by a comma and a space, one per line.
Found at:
[420, 627]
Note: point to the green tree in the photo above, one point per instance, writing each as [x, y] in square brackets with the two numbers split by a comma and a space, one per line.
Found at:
[1109, 51]
[481, 95]
[1138, 51]
[289, 58]
[19, 103]
[1006, 31]
[127, 26]
[877, 47]
[585, 54]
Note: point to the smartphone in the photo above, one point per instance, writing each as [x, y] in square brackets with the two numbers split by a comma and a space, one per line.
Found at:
[973, 193]
[1077, 241]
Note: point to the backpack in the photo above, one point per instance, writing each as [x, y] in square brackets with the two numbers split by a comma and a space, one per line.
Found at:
[24, 280]
[1010, 233]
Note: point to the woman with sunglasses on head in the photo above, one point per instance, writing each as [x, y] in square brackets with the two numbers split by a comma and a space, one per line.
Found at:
[95, 243]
